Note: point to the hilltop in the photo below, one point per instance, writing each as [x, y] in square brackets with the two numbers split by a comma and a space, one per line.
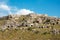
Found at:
[31, 23]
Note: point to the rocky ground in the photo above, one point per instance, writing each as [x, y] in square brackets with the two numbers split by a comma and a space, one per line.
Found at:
[29, 27]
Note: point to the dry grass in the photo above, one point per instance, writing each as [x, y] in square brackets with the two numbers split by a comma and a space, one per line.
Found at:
[26, 35]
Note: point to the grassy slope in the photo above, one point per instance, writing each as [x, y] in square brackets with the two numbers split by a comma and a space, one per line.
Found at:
[27, 35]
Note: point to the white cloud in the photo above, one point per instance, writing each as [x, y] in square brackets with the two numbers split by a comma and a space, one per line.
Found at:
[6, 10]
[5, 7]
[24, 12]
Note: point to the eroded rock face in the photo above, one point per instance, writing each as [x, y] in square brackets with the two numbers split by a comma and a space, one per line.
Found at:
[32, 15]
[55, 31]
[30, 20]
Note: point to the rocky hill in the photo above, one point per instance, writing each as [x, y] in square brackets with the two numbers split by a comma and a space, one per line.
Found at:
[32, 22]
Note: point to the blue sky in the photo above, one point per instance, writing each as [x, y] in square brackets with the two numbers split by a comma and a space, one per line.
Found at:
[50, 7]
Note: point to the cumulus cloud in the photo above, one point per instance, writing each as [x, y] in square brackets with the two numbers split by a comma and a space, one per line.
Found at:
[24, 12]
[5, 7]
[6, 10]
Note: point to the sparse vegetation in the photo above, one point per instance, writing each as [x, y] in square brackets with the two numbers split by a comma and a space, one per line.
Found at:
[29, 27]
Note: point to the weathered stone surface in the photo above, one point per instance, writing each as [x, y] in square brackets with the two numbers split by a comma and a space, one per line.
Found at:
[30, 20]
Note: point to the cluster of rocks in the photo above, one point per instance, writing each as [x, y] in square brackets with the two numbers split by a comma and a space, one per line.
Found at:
[55, 31]
[33, 20]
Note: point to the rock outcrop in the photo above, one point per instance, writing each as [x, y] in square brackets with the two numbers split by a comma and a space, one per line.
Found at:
[30, 20]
